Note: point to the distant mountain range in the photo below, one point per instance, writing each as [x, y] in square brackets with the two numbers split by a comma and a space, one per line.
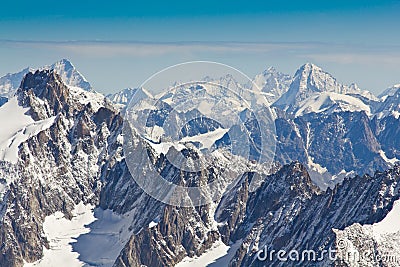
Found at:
[10, 82]
[310, 90]
[69, 198]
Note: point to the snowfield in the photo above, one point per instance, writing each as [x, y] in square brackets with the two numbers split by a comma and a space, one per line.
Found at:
[321, 102]
[61, 232]
[219, 255]
[17, 127]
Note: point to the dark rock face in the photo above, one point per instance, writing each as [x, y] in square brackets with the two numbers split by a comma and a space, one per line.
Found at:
[387, 131]
[179, 233]
[345, 141]
[288, 212]
[70, 75]
[11, 82]
[50, 175]
[3, 100]
[199, 125]
[80, 159]
[44, 85]
[339, 141]
[342, 141]
[290, 144]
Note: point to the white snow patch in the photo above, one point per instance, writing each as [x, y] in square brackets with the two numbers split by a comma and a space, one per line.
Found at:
[324, 101]
[320, 175]
[390, 224]
[13, 117]
[153, 224]
[84, 97]
[218, 255]
[205, 107]
[163, 147]
[315, 166]
[120, 139]
[339, 177]
[206, 139]
[396, 114]
[9, 150]
[154, 133]
[62, 233]
[17, 127]
[107, 236]
[385, 158]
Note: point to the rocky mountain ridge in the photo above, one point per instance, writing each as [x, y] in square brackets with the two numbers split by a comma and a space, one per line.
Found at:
[79, 159]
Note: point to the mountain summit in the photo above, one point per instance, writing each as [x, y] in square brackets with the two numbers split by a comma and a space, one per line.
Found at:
[69, 197]
[67, 71]
[311, 82]
[10, 82]
[309, 79]
[70, 75]
[273, 83]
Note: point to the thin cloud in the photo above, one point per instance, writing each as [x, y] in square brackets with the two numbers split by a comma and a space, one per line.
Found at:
[309, 51]
[144, 49]
[354, 58]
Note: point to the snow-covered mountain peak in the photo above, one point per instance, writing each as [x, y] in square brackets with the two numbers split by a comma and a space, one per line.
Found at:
[390, 105]
[270, 69]
[270, 72]
[308, 80]
[389, 92]
[47, 95]
[11, 81]
[272, 83]
[64, 63]
[70, 75]
[312, 77]
[122, 97]
[309, 67]
[354, 87]
[312, 82]
[330, 102]
[355, 90]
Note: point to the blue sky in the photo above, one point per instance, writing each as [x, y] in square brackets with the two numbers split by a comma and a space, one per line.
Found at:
[121, 43]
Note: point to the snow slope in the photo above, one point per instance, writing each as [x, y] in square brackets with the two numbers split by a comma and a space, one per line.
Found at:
[97, 100]
[310, 80]
[110, 232]
[381, 239]
[11, 81]
[13, 117]
[385, 158]
[219, 255]
[390, 224]
[61, 232]
[206, 140]
[330, 102]
[271, 82]
[389, 92]
[17, 127]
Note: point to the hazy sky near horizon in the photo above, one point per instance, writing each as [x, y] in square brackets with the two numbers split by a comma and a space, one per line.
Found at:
[120, 44]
